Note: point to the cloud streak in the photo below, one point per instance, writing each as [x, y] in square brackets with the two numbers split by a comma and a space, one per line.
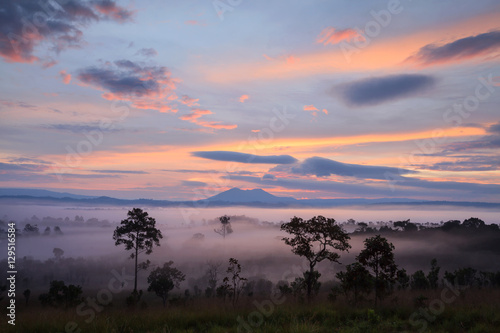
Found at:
[378, 90]
[334, 36]
[231, 156]
[323, 167]
[196, 114]
[460, 49]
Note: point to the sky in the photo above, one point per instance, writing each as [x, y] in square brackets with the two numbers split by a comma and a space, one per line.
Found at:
[181, 100]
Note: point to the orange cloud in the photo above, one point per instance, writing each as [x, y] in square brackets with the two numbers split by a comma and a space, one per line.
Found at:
[197, 113]
[243, 98]
[333, 36]
[310, 108]
[194, 116]
[65, 76]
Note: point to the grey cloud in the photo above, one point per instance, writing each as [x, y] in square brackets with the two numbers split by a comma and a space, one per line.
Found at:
[80, 128]
[61, 24]
[377, 90]
[323, 167]
[147, 52]
[193, 183]
[459, 49]
[245, 158]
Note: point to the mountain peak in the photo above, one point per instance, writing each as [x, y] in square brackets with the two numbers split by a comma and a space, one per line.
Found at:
[237, 195]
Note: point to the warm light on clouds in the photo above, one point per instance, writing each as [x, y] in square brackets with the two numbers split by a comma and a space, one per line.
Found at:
[65, 76]
[334, 36]
[168, 99]
[243, 98]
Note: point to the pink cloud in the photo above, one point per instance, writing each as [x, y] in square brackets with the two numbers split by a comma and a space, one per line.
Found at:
[194, 22]
[243, 98]
[196, 114]
[186, 100]
[65, 76]
[146, 87]
[334, 36]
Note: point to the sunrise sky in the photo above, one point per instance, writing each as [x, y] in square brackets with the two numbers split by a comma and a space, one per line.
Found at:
[312, 99]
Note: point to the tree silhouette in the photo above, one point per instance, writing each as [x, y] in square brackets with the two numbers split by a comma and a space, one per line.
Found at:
[225, 228]
[58, 253]
[31, 230]
[237, 282]
[213, 276]
[61, 295]
[473, 223]
[138, 233]
[315, 239]
[355, 279]
[163, 280]
[379, 257]
[433, 275]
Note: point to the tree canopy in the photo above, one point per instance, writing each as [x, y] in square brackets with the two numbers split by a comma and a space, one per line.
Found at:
[138, 233]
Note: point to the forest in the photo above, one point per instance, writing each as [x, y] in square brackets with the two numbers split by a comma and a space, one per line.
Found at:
[376, 290]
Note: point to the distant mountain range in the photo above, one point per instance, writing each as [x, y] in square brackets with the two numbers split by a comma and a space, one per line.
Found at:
[232, 197]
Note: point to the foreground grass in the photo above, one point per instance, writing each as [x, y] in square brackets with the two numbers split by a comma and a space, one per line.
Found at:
[476, 314]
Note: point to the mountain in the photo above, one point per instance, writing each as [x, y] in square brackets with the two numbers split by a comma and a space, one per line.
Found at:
[236, 195]
[40, 193]
[232, 197]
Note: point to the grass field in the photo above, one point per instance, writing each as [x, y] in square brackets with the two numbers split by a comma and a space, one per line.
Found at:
[473, 311]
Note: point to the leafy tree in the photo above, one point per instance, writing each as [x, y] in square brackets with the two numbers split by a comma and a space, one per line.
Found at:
[61, 295]
[378, 255]
[31, 230]
[462, 277]
[46, 232]
[163, 280]
[57, 230]
[237, 282]
[451, 225]
[473, 223]
[419, 281]
[225, 228]
[362, 227]
[355, 279]
[315, 239]
[433, 275]
[139, 234]
[403, 279]
[58, 253]
[406, 225]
